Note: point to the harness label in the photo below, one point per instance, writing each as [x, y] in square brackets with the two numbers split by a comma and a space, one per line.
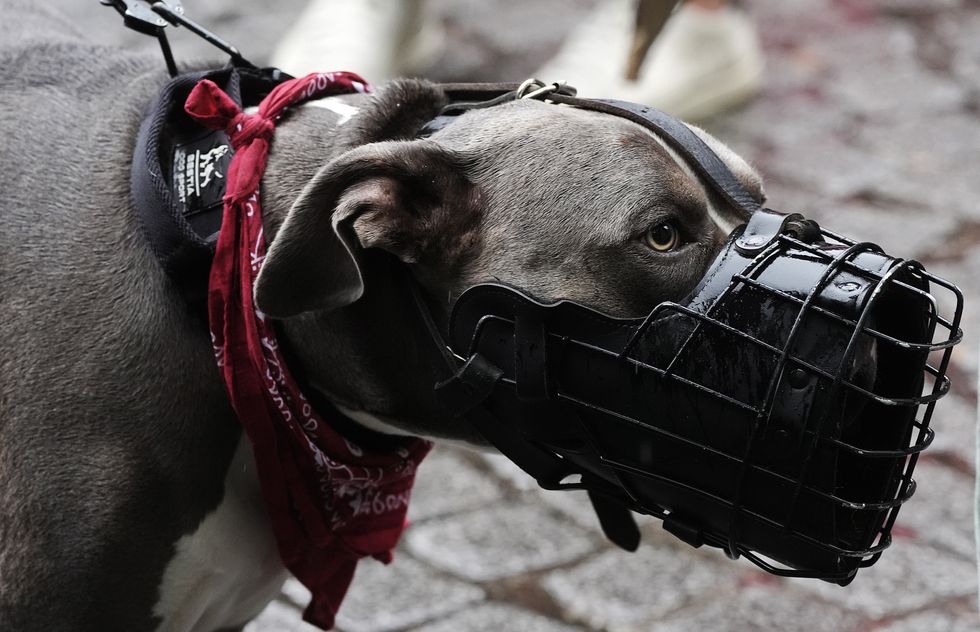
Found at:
[199, 169]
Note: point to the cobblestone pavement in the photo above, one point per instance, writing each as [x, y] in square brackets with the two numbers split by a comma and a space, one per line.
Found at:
[869, 123]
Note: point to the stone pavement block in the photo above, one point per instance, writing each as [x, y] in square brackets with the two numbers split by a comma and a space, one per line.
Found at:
[874, 93]
[573, 504]
[955, 422]
[383, 598]
[787, 197]
[774, 122]
[784, 28]
[960, 271]
[941, 511]
[620, 591]
[873, 70]
[829, 166]
[861, 37]
[934, 621]
[280, 616]
[908, 576]
[928, 166]
[447, 483]
[957, 31]
[787, 9]
[404, 593]
[498, 542]
[508, 471]
[295, 592]
[914, 8]
[762, 608]
[576, 506]
[497, 617]
[889, 228]
[963, 269]
[965, 273]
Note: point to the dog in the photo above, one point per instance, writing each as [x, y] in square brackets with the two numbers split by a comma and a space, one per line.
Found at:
[128, 496]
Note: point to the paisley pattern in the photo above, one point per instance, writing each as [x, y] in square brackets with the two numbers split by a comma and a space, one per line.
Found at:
[331, 502]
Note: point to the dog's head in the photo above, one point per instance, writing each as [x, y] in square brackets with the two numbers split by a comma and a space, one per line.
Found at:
[558, 201]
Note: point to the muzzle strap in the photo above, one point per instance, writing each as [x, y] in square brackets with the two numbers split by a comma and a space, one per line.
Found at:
[701, 158]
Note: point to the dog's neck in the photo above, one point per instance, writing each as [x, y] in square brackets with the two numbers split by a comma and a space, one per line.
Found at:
[366, 358]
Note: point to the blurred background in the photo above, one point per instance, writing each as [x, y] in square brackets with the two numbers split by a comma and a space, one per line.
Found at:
[866, 117]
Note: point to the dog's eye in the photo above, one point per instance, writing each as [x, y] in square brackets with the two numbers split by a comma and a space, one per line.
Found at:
[662, 237]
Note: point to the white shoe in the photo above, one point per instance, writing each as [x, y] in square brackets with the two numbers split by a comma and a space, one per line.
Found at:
[377, 39]
[702, 63]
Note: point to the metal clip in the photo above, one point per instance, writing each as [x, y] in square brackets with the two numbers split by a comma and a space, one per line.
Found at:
[536, 89]
[138, 15]
[150, 17]
[766, 225]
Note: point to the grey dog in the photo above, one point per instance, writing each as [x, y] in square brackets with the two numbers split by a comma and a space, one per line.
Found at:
[128, 499]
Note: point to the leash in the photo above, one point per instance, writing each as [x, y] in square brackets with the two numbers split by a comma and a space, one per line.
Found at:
[151, 17]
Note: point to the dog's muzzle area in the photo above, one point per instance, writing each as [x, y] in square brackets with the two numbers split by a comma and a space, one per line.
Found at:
[776, 413]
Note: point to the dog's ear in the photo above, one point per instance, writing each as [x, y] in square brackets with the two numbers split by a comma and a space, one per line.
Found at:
[410, 198]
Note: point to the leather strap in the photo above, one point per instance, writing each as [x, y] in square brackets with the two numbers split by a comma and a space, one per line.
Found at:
[468, 96]
[765, 227]
[702, 159]
[616, 520]
[457, 92]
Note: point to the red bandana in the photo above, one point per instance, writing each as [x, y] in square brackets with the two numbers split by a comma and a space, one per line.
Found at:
[330, 501]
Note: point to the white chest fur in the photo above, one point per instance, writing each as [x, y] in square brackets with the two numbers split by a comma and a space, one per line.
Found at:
[225, 572]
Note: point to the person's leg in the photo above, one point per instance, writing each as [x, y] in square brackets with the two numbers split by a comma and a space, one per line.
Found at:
[378, 39]
[709, 5]
[706, 59]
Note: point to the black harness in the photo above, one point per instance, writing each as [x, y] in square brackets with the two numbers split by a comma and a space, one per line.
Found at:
[178, 170]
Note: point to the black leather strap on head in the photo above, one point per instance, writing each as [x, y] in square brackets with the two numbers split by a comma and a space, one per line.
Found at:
[468, 96]
[701, 158]
[678, 136]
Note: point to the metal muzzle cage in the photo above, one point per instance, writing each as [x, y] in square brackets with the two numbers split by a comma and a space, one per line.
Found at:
[777, 413]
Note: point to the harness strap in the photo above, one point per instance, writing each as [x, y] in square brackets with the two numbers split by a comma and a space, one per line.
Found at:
[681, 139]
[701, 158]
[178, 222]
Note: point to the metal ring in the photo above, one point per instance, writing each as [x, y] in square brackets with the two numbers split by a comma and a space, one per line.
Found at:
[539, 89]
[526, 84]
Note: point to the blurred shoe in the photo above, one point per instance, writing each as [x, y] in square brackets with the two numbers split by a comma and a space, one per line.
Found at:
[378, 39]
[702, 63]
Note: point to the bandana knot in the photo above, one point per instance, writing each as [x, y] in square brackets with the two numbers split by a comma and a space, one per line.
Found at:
[331, 501]
[250, 135]
[244, 129]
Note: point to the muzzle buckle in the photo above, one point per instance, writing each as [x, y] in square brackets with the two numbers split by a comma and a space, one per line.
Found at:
[766, 225]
